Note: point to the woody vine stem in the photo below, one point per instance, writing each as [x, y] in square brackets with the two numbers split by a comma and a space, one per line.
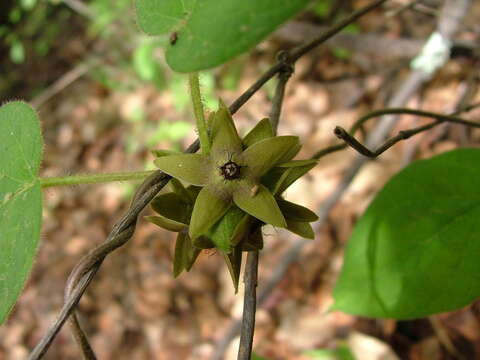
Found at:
[123, 230]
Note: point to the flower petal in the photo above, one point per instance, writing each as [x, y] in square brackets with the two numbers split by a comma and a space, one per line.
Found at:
[225, 139]
[304, 229]
[296, 212]
[263, 130]
[209, 208]
[172, 206]
[261, 205]
[165, 223]
[265, 154]
[192, 168]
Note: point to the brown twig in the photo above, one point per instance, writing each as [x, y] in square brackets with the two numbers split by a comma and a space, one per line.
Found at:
[298, 52]
[341, 133]
[249, 307]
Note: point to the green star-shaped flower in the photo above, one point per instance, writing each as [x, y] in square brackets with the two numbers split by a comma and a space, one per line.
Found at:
[230, 174]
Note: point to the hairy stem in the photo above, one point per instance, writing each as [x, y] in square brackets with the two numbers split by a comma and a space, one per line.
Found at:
[94, 178]
[198, 111]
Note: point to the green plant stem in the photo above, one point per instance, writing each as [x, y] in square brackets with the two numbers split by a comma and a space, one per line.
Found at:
[198, 111]
[94, 178]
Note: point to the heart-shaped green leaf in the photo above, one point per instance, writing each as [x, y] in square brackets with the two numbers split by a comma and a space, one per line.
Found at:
[415, 251]
[209, 33]
[20, 198]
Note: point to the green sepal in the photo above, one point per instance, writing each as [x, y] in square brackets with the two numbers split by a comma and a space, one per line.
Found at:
[165, 223]
[242, 229]
[224, 135]
[304, 229]
[203, 242]
[178, 188]
[260, 204]
[162, 152]
[265, 154]
[209, 207]
[254, 241]
[263, 130]
[173, 207]
[234, 264]
[222, 232]
[192, 168]
[185, 254]
[289, 176]
[295, 212]
[297, 163]
[291, 153]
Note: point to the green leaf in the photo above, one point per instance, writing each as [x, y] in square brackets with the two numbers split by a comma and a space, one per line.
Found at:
[263, 130]
[20, 198]
[145, 63]
[265, 154]
[209, 208]
[342, 352]
[261, 205]
[172, 206]
[157, 17]
[209, 32]
[192, 168]
[296, 212]
[415, 250]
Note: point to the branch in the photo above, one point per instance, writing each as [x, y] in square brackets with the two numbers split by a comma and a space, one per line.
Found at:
[341, 133]
[249, 307]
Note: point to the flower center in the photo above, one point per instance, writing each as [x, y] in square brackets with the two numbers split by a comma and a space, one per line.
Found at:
[230, 170]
